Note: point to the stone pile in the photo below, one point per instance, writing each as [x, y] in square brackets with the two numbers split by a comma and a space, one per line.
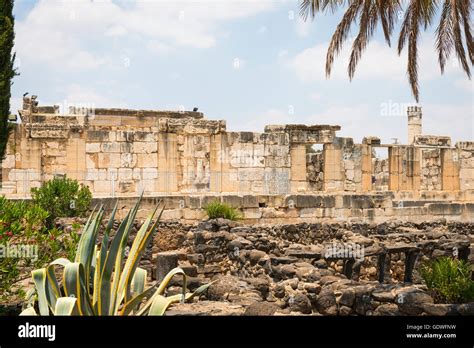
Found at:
[287, 270]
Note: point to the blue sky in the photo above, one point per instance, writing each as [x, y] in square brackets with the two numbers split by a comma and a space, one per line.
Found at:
[251, 63]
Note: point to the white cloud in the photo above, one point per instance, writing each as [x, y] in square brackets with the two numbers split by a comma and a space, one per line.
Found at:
[360, 120]
[352, 119]
[238, 63]
[262, 30]
[378, 62]
[116, 30]
[257, 122]
[159, 47]
[456, 121]
[15, 105]
[77, 95]
[315, 96]
[282, 56]
[466, 85]
[81, 34]
[303, 28]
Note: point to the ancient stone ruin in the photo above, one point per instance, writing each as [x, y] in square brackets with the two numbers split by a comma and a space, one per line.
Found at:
[280, 174]
[326, 230]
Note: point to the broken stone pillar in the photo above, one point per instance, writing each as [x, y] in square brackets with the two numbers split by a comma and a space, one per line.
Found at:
[366, 167]
[216, 162]
[404, 166]
[414, 123]
[449, 170]
[410, 259]
[167, 162]
[381, 267]
[334, 174]
[165, 262]
[348, 268]
[298, 168]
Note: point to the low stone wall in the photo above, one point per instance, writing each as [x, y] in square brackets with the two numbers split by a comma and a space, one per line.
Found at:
[376, 208]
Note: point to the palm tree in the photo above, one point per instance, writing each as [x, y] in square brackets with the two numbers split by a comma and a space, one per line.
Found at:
[452, 32]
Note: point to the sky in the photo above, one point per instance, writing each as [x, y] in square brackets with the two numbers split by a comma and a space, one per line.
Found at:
[249, 62]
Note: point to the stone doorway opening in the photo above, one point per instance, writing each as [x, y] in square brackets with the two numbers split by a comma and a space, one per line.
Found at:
[380, 169]
[315, 166]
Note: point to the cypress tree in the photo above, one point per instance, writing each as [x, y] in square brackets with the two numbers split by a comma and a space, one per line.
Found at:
[7, 71]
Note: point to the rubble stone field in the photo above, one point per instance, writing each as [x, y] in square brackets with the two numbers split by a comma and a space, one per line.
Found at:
[295, 269]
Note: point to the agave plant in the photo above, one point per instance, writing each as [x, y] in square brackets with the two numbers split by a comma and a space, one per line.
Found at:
[101, 280]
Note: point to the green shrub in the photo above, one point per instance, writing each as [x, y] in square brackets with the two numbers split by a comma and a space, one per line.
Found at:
[23, 223]
[217, 209]
[20, 217]
[449, 280]
[62, 197]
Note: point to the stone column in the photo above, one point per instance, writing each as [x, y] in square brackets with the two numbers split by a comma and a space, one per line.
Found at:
[215, 162]
[167, 162]
[366, 167]
[333, 169]
[414, 123]
[165, 262]
[298, 167]
[76, 158]
[449, 170]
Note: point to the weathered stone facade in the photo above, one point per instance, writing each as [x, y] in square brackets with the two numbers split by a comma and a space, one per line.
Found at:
[119, 153]
[273, 175]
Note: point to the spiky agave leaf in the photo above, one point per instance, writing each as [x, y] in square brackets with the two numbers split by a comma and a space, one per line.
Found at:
[66, 306]
[161, 303]
[75, 285]
[30, 311]
[101, 281]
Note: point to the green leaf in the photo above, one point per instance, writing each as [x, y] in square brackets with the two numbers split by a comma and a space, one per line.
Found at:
[66, 306]
[160, 304]
[136, 251]
[39, 278]
[61, 262]
[133, 304]
[87, 245]
[139, 281]
[161, 289]
[115, 299]
[28, 311]
[52, 290]
[75, 286]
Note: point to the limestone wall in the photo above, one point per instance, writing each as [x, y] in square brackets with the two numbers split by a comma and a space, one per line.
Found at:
[465, 158]
[431, 173]
[120, 152]
[376, 207]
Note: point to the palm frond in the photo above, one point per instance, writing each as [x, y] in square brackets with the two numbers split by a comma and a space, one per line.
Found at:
[341, 33]
[444, 39]
[311, 7]
[458, 11]
[367, 24]
[453, 31]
